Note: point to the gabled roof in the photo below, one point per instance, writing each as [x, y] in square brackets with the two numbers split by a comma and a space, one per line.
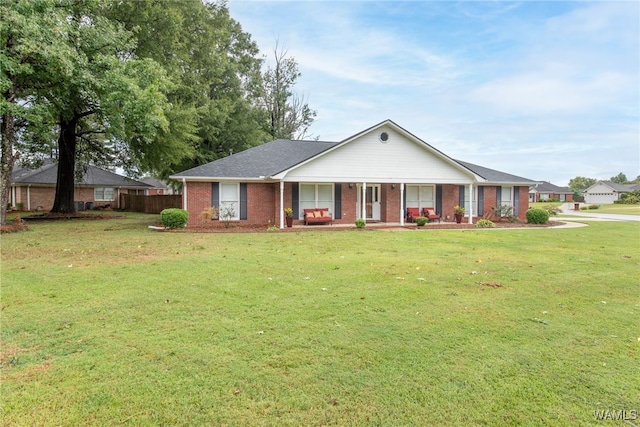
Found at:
[259, 162]
[547, 187]
[47, 175]
[493, 176]
[268, 160]
[620, 188]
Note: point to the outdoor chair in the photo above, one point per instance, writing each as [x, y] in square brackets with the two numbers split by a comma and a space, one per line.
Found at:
[431, 214]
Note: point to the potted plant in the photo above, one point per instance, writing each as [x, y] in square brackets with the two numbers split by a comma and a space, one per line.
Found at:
[458, 213]
[288, 214]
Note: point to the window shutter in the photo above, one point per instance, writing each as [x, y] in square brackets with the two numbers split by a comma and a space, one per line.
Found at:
[498, 195]
[439, 199]
[516, 200]
[243, 200]
[480, 201]
[461, 198]
[295, 199]
[215, 194]
[337, 203]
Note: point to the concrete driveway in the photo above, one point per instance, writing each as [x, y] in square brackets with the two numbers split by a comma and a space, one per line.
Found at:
[567, 209]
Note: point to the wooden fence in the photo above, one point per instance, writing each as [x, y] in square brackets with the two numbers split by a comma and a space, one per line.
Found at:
[149, 204]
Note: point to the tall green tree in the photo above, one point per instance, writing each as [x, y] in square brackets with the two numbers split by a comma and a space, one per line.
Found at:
[214, 67]
[580, 183]
[620, 179]
[106, 105]
[30, 57]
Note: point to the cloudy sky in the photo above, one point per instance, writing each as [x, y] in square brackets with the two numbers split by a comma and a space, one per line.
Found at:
[544, 90]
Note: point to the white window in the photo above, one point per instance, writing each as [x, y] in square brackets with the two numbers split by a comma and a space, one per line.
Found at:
[103, 194]
[421, 196]
[507, 196]
[468, 202]
[229, 201]
[314, 196]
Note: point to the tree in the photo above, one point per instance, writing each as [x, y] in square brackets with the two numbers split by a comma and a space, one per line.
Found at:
[289, 115]
[580, 183]
[106, 105]
[31, 59]
[214, 68]
[619, 179]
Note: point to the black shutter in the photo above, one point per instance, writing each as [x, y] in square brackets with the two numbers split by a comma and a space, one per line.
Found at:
[215, 194]
[439, 199]
[295, 199]
[461, 197]
[243, 200]
[498, 196]
[337, 203]
[516, 200]
[480, 201]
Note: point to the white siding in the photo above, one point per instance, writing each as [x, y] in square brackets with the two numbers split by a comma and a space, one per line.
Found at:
[600, 194]
[367, 159]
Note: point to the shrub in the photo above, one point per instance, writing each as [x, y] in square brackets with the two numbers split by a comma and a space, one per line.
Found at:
[174, 218]
[537, 216]
[360, 223]
[421, 220]
[553, 210]
[593, 207]
[485, 223]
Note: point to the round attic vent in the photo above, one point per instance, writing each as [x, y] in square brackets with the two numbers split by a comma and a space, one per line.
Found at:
[384, 137]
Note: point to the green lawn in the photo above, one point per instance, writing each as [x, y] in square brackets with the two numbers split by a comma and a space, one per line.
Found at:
[108, 323]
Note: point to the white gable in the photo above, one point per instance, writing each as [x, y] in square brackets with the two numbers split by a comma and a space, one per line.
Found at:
[366, 158]
[599, 188]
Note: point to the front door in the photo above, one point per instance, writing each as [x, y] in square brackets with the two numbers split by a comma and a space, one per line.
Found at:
[372, 202]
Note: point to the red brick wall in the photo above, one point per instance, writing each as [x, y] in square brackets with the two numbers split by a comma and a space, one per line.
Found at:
[490, 200]
[450, 198]
[44, 197]
[524, 203]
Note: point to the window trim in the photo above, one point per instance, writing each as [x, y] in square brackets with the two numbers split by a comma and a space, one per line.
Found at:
[315, 185]
[103, 198]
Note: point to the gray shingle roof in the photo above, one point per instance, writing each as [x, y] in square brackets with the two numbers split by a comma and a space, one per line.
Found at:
[547, 187]
[495, 176]
[262, 161]
[269, 159]
[47, 174]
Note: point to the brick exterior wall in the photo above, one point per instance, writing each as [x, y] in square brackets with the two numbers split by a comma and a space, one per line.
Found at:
[36, 198]
[263, 203]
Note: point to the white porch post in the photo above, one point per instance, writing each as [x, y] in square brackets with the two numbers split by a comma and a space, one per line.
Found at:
[282, 204]
[364, 202]
[402, 203]
[471, 200]
[184, 194]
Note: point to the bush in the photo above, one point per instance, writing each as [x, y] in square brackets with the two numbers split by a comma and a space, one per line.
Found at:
[593, 207]
[421, 220]
[174, 218]
[360, 223]
[537, 216]
[485, 223]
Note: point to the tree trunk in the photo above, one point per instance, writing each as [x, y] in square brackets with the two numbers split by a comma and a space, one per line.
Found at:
[6, 165]
[63, 202]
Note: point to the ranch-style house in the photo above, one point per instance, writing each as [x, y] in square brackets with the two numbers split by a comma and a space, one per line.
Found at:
[376, 175]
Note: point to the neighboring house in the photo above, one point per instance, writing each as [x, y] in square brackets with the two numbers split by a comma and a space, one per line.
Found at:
[35, 188]
[158, 188]
[543, 191]
[375, 175]
[606, 192]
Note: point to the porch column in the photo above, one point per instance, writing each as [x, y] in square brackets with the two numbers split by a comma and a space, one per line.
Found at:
[402, 203]
[29, 198]
[363, 206]
[281, 204]
[184, 194]
[471, 203]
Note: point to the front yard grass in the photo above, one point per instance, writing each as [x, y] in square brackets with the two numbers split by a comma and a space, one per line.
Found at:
[106, 322]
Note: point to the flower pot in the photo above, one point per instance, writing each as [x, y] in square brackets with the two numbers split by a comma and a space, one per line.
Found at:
[289, 220]
[458, 218]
